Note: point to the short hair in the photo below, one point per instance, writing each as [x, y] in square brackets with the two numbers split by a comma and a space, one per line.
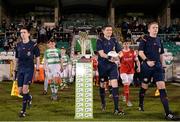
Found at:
[105, 26]
[26, 28]
[51, 40]
[151, 23]
[127, 40]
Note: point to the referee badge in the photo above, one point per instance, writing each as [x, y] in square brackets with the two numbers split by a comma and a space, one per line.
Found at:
[28, 53]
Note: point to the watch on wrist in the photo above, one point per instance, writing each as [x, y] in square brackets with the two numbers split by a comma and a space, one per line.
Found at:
[145, 60]
[109, 57]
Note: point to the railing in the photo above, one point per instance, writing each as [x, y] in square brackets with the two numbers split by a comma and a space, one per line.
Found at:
[164, 37]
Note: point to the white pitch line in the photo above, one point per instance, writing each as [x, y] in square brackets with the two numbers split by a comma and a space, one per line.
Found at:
[176, 84]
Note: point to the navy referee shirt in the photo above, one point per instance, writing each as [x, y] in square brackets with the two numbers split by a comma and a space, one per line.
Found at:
[152, 48]
[25, 53]
[107, 46]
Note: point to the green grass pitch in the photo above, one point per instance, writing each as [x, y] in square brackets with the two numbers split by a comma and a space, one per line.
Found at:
[43, 109]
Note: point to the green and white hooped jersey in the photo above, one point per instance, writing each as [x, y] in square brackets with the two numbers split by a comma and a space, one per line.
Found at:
[52, 56]
[65, 59]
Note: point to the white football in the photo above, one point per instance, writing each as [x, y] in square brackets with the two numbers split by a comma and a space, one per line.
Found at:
[113, 54]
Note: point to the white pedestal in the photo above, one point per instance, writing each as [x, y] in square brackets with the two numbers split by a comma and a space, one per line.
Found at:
[84, 91]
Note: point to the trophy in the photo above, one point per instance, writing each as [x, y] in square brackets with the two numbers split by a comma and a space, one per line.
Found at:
[85, 43]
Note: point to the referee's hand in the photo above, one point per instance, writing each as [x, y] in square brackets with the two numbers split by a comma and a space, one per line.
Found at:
[150, 63]
[111, 59]
[138, 69]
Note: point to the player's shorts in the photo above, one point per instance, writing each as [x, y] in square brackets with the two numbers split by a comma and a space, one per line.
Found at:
[25, 76]
[127, 78]
[107, 70]
[156, 72]
[73, 72]
[54, 70]
[95, 73]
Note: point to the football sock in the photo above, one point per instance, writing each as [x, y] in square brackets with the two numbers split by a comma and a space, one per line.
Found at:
[164, 100]
[102, 95]
[141, 96]
[56, 86]
[115, 93]
[45, 84]
[24, 102]
[126, 92]
[52, 87]
[29, 97]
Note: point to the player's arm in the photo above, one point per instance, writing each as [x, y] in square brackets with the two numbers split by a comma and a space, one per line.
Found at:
[162, 60]
[61, 61]
[141, 49]
[120, 54]
[142, 55]
[137, 62]
[16, 64]
[37, 63]
[45, 62]
[37, 55]
[102, 54]
[145, 59]
[16, 59]
[161, 54]
[61, 64]
[100, 50]
[15, 68]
